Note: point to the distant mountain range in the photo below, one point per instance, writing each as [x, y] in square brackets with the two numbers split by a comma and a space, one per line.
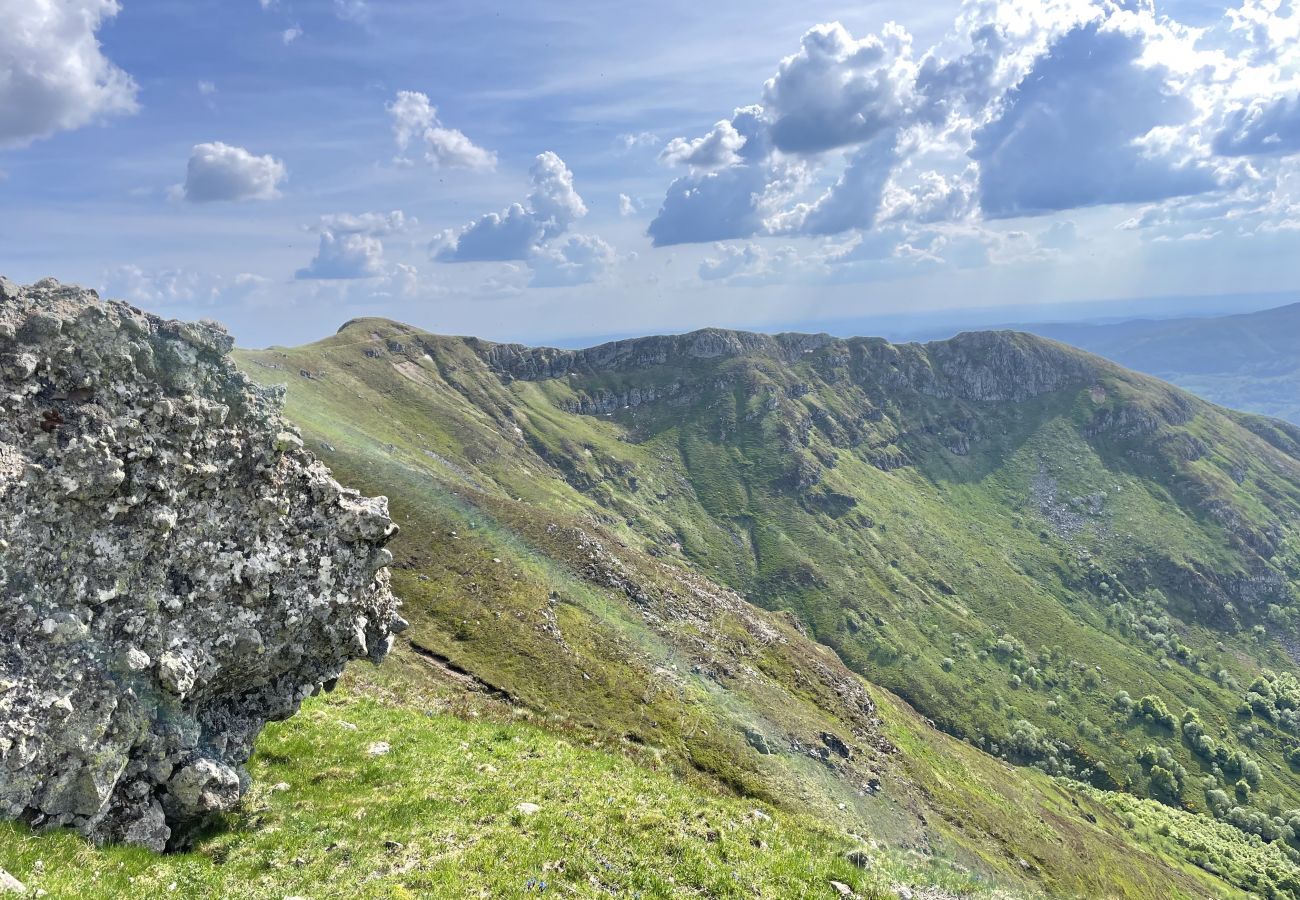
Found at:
[1249, 361]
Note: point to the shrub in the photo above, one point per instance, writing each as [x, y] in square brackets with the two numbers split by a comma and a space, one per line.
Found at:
[1152, 709]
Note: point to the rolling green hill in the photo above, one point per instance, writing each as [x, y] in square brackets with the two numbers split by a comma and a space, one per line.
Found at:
[1002, 616]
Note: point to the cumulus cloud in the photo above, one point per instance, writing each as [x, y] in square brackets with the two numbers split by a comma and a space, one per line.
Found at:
[552, 206]
[934, 197]
[220, 172]
[627, 206]
[716, 150]
[351, 246]
[576, 259]
[837, 91]
[415, 121]
[290, 34]
[1062, 142]
[1025, 108]
[711, 206]
[855, 198]
[53, 73]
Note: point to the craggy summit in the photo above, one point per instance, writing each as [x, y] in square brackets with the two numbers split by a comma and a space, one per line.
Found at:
[175, 570]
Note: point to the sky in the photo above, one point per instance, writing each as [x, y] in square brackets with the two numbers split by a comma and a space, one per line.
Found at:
[556, 171]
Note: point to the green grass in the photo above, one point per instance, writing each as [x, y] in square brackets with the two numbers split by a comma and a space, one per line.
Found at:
[438, 816]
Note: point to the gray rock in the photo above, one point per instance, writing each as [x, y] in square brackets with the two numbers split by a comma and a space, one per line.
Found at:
[860, 858]
[175, 569]
[8, 883]
[757, 740]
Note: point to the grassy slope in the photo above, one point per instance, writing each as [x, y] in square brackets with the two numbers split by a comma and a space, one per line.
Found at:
[437, 816]
[936, 560]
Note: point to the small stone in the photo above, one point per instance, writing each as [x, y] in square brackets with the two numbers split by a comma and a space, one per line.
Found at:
[842, 889]
[176, 673]
[527, 809]
[903, 893]
[347, 726]
[859, 858]
[279, 787]
[10, 884]
[757, 740]
[379, 748]
[759, 816]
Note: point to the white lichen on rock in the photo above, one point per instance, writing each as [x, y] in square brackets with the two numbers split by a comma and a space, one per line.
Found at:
[175, 570]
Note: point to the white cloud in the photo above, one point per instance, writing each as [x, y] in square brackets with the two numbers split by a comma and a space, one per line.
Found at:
[290, 34]
[1016, 112]
[350, 245]
[855, 198]
[837, 91]
[555, 202]
[934, 198]
[207, 88]
[220, 172]
[348, 255]
[716, 150]
[711, 206]
[577, 259]
[632, 140]
[53, 73]
[415, 120]
[1061, 142]
[627, 206]
[516, 233]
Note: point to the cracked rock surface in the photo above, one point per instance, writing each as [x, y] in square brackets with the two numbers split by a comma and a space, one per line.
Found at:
[175, 570]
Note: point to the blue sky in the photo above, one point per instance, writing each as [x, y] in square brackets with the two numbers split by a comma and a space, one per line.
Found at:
[548, 171]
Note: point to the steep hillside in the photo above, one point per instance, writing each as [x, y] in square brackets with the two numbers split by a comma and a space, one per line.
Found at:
[1249, 361]
[1055, 560]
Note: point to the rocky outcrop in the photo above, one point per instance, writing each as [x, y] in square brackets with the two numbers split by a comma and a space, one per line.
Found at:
[637, 354]
[175, 570]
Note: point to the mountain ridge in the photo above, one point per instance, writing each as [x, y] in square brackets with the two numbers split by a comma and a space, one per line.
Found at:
[999, 604]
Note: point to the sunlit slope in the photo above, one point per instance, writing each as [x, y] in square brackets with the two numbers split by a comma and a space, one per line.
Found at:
[1007, 533]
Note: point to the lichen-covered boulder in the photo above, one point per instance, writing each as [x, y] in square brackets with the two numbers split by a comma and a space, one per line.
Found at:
[175, 570]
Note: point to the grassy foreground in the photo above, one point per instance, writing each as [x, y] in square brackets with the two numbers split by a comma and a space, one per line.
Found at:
[439, 815]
